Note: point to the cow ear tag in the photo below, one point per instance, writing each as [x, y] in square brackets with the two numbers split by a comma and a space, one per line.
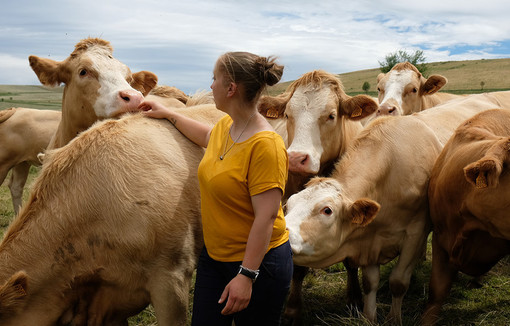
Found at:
[481, 182]
[272, 113]
[356, 113]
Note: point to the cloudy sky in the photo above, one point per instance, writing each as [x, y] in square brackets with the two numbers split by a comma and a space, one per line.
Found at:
[181, 40]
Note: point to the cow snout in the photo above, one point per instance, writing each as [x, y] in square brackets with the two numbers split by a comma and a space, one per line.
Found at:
[299, 162]
[387, 110]
[130, 100]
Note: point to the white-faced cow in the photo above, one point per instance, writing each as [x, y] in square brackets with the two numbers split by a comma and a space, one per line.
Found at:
[403, 91]
[24, 133]
[320, 120]
[374, 207]
[469, 196]
[97, 86]
[112, 224]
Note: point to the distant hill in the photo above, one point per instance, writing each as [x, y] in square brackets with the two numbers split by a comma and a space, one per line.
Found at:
[464, 77]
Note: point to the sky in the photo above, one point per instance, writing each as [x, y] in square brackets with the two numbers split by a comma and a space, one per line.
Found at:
[180, 41]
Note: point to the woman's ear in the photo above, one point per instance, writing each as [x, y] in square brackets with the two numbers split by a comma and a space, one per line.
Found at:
[232, 88]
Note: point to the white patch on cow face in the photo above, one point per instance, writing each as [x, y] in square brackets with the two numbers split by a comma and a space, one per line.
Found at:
[112, 76]
[312, 219]
[394, 87]
[305, 108]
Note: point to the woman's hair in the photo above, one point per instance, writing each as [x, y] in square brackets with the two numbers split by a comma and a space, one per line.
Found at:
[250, 70]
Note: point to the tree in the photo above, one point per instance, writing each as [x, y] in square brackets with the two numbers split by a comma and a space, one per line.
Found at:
[365, 87]
[482, 83]
[417, 59]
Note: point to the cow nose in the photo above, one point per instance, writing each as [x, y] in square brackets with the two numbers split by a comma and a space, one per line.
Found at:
[298, 162]
[130, 99]
[387, 110]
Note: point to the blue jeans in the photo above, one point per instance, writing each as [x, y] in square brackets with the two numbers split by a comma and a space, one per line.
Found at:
[268, 297]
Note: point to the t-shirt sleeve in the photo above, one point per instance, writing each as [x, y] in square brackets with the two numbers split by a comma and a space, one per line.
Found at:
[269, 165]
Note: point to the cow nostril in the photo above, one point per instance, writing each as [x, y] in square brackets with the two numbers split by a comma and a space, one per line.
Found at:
[303, 161]
[392, 110]
[125, 98]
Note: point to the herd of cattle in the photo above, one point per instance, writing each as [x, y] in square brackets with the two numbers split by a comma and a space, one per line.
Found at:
[112, 222]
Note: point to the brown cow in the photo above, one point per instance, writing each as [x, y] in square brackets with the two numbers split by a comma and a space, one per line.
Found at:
[24, 133]
[112, 224]
[469, 194]
[97, 86]
[374, 207]
[403, 91]
[319, 120]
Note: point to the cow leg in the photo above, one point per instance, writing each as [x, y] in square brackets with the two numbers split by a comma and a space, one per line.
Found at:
[16, 183]
[441, 279]
[293, 310]
[371, 275]
[354, 297]
[169, 293]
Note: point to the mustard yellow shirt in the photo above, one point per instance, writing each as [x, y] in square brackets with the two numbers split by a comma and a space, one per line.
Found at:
[249, 168]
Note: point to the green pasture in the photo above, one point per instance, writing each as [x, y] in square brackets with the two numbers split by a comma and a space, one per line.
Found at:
[324, 290]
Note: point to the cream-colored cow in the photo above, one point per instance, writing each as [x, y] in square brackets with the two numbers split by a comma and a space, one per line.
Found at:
[24, 133]
[403, 91]
[374, 206]
[316, 118]
[112, 224]
[97, 86]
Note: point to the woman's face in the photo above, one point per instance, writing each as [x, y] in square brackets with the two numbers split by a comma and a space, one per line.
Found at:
[219, 87]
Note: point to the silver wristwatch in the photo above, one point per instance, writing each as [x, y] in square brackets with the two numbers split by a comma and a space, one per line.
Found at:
[250, 273]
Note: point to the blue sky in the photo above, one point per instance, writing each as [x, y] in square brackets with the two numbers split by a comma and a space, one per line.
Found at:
[181, 40]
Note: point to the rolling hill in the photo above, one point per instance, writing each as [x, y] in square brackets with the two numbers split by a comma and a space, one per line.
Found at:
[464, 77]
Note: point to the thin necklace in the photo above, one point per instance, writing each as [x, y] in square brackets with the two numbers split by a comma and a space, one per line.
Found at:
[225, 150]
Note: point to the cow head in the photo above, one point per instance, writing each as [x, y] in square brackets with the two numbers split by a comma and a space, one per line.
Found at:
[316, 110]
[97, 85]
[319, 219]
[401, 90]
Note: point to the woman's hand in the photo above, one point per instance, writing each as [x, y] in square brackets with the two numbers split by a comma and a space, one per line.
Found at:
[154, 109]
[238, 293]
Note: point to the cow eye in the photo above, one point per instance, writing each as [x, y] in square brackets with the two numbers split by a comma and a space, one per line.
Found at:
[286, 116]
[331, 116]
[415, 90]
[83, 72]
[327, 211]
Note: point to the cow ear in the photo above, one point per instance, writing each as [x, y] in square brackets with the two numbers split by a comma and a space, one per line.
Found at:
[273, 107]
[380, 76]
[49, 72]
[144, 81]
[486, 171]
[433, 84]
[358, 107]
[363, 211]
[13, 294]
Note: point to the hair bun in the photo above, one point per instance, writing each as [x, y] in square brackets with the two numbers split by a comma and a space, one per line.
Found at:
[270, 71]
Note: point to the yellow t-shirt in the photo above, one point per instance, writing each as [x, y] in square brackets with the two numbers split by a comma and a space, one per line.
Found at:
[249, 168]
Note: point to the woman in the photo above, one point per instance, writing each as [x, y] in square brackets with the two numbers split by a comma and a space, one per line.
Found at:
[245, 268]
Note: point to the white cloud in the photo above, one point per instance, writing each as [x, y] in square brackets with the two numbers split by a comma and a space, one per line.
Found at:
[180, 40]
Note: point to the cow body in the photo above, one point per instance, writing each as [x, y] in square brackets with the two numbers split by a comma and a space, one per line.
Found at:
[168, 96]
[97, 86]
[403, 91]
[24, 133]
[313, 118]
[469, 195]
[112, 224]
[384, 173]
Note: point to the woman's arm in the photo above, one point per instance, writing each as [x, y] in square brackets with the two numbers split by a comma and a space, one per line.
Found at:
[265, 206]
[196, 131]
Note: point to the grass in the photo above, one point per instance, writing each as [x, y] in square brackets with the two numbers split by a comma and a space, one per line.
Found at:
[324, 290]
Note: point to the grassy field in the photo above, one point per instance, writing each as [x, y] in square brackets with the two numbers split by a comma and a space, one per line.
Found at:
[324, 290]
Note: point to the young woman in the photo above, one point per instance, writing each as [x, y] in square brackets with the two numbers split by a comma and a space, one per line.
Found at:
[245, 268]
